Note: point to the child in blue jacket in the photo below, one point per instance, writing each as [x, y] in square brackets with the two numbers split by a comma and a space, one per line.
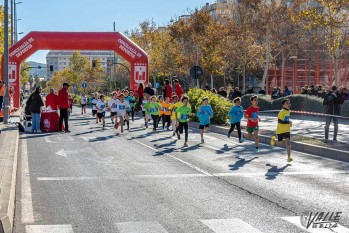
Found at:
[204, 113]
[236, 113]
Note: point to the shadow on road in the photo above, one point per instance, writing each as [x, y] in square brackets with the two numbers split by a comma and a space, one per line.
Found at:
[240, 163]
[274, 171]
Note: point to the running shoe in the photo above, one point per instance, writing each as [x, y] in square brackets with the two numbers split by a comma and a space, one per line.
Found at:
[116, 125]
[173, 134]
[257, 151]
[185, 144]
[202, 140]
[242, 138]
[229, 135]
[272, 141]
[289, 159]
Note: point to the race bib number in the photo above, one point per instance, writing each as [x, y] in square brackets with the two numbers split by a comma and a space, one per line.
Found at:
[122, 107]
[254, 115]
[155, 110]
[287, 119]
[102, 106]
[184, 117]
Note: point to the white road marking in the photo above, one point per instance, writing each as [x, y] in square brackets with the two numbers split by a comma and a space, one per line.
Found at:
[88, 153]
[59, 139]
[296, 220]
[49, 229]
[27, 215]
[173, 157]
[234, 225]
[140, 227]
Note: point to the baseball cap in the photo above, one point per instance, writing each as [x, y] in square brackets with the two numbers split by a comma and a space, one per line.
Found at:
[66, 84]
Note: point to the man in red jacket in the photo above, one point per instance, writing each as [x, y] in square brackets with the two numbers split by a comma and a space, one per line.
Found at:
[52, 100]
[63, 104]
[178, 89]
[168, 90]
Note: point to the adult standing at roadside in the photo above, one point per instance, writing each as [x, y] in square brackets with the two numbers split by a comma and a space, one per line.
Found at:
[168, 90]
[63, 104]
[148, 90]
[140, 92]
[178, 89]
[2, 93]
[333, 101]
[35, 107]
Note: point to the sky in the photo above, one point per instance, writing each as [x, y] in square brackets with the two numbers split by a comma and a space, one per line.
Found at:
[96, 15]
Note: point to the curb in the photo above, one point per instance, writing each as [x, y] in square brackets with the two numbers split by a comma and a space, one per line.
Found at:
[10, 138]
[296, 146]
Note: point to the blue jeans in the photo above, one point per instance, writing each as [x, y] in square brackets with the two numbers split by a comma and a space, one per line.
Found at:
[36, 121]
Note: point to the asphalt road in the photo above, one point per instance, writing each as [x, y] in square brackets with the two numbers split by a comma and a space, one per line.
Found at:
[92, 180]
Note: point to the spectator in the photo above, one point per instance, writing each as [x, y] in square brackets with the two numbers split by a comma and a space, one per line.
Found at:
[52, 100]
[222, 92]
[304, 91]
[333, 101]
[287, 92]
[2, 94]
[35, 107]
[320, 92]
[262, 91]
[71, 102]
[207, 87]
[214, 91]
[312, 90]
[344, 93]
[276, 93]
[178, 89]
[140, 93]
[250, 90]
[168, 90]
[63, 104]
[237, 93]
[148, 90]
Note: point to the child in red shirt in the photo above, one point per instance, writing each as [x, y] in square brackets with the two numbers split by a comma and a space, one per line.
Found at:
[252, 123]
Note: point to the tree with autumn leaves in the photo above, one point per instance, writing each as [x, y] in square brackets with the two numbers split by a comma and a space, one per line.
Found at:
[247, 38]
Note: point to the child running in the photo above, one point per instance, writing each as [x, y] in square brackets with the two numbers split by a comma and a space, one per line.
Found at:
[145, 112]
[154, 107]
[101, 110]
[183, 113]
[94, 103]
[112, 104]
[176, 104]
[204, 113]
[132, 101]
[252, 121]
[166, 113]
[83, 102]
[128, 110]
[283, 129]
[121, 112]
[236, 113]
[161, 112]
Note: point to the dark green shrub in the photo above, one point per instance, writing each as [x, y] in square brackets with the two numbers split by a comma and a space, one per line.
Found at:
[301, 103]
[264, 102]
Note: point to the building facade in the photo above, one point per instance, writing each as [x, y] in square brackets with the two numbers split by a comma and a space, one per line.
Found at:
[59, 59]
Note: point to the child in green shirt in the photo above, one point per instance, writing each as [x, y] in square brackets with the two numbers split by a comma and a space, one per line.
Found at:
[154, 109]
[182, 116]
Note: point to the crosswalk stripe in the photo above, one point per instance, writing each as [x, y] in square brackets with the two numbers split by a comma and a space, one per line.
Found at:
[49, 228]
[140, 227]
[233, 225]
[296, 220]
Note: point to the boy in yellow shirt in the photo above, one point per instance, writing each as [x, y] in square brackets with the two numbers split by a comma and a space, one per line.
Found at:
[283, 129]
[166, 113]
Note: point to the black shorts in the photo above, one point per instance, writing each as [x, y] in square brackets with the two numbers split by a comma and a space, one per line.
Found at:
[113, 114]
[83, 105]
[94, 112]
[204, 126]
[143, 113]
[101, 115]
[283, 136]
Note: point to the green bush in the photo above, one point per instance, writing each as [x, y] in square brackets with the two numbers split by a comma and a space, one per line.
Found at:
[264, 101]
[301, 103]
[220, 105]
[76, 99]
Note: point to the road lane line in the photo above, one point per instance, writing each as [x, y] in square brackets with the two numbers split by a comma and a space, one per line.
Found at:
[296, 220]
[173, 157]
[27, 215]
[49, 229]
[233, 225]
[280, 173]
[140, 227]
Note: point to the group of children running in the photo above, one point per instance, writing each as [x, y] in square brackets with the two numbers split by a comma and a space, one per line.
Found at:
[176, 112]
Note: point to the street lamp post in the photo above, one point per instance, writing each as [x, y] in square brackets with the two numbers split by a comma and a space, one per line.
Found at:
[115, 61]
[15, 20]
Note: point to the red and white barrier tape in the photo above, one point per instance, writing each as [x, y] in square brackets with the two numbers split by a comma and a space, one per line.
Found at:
[307, 113]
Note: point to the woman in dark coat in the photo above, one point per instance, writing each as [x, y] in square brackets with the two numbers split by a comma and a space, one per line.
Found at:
[35, 107]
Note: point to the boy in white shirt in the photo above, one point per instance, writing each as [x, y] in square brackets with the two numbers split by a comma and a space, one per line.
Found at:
[113, 107]
[83, 103]
[101, 105]
[121, 112]
[94, 103]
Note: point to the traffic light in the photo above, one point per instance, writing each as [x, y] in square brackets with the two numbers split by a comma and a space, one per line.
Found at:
[51, 68]
[93, 63]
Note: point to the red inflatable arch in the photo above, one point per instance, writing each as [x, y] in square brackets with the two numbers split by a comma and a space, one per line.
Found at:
[76, 41]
